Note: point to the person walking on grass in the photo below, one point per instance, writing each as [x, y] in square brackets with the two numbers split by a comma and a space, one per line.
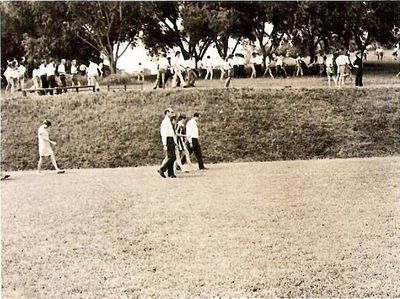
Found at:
[358, 65]
[182, 150]
[74, 73]
[253, 62]
[178, 65]
[168, 139]
[192, 133]
[208, 64]
[343, 65]
[45, 148]
[280, 67]
[330, 70]
[162, 68]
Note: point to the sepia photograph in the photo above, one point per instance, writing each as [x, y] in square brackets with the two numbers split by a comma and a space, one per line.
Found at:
[200, 149]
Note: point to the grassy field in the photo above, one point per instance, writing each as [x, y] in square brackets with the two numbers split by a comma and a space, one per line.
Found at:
[121, 129]
[322, 228]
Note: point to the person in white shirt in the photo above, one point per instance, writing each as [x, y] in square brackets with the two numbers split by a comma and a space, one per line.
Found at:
[168, 139]
[253, 61]
[259, 63]
[280, 66]
[45, 148]
[229, 69]
[21, 74]
[299, 66]
[43, 76]
[36, 78]
[93, 74]
[62, 73]
[162, 67]
[208, 64]
[268, 65]
[330, 70]
[74, 73]
[192, 134]
[140, 74]
[342, 62]
[379, 53]
[178, 65]
[11, 74]
[51, 74]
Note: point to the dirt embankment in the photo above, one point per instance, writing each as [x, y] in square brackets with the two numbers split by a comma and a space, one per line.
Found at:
[119, 129]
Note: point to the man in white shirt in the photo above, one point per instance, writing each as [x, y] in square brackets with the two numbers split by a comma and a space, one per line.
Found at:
[192, 133]
[342, 62]
[178, 65]
[280, 66]
[21, 74]
[51, 75]
[62, 73]
[43, 75]
[45, 148]
[162, 67]
[168, 139]
[74, 73]
[93, 74]
[208, 64]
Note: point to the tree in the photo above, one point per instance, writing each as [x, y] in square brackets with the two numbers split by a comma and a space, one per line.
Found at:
[177, 24]
[107, 27]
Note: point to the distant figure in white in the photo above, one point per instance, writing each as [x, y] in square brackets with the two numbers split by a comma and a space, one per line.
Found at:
[140, 74]
[208, 64]
[178, 65]
[268, 65]
[74, 73]
[253, 62]
[93, 72]
[45, 148]
[21, 74]
[343, 63]
[330, 71]
[379, 53]
[228, 68]
[11, 75]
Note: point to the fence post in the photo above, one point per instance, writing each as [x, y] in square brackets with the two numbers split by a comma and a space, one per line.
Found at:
[108, 87]
[125, 86]
[24, 93]
[94, 88]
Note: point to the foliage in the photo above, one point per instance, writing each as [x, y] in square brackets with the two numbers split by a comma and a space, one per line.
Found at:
[122, 128]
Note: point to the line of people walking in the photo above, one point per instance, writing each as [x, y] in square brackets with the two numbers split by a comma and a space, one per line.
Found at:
[180, 139]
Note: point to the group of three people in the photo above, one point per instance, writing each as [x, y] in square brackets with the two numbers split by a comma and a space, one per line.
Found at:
[179, 137]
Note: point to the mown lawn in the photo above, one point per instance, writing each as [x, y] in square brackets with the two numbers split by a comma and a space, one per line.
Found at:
[321, 228]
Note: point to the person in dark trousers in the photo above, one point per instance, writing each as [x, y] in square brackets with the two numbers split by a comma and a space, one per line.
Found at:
[359, 69]
[192, 134]
[168, 140]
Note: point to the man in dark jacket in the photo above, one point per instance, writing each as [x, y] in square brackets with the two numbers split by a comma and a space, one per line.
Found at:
[359, 69]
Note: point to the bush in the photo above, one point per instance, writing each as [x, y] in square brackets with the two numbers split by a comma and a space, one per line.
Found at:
[97, 130]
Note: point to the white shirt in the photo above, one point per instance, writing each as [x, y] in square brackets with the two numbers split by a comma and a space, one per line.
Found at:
[74, 69]
[35, 73]
[192, 131]
[208, 63]
[329, 61]
[178, 63]
[163, 63]
[21, 70]
[166, 130]
[253, 59]
[342, 60]
[50, 69]
[259, 59]
[279, 61]
[42, 70]
[92, 69]
[61, 69]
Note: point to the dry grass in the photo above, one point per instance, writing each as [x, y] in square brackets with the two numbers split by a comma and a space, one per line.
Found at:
[322, 228]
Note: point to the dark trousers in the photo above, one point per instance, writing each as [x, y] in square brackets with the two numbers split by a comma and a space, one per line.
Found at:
[45, 83]
[171, 157]
[280, 70]
[63, 81]
[196, 149]
[359, 76]
[52, 82]
[258, 70]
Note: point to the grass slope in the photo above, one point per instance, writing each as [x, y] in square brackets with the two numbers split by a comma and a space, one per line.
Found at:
[118, 129]
[322, 228]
